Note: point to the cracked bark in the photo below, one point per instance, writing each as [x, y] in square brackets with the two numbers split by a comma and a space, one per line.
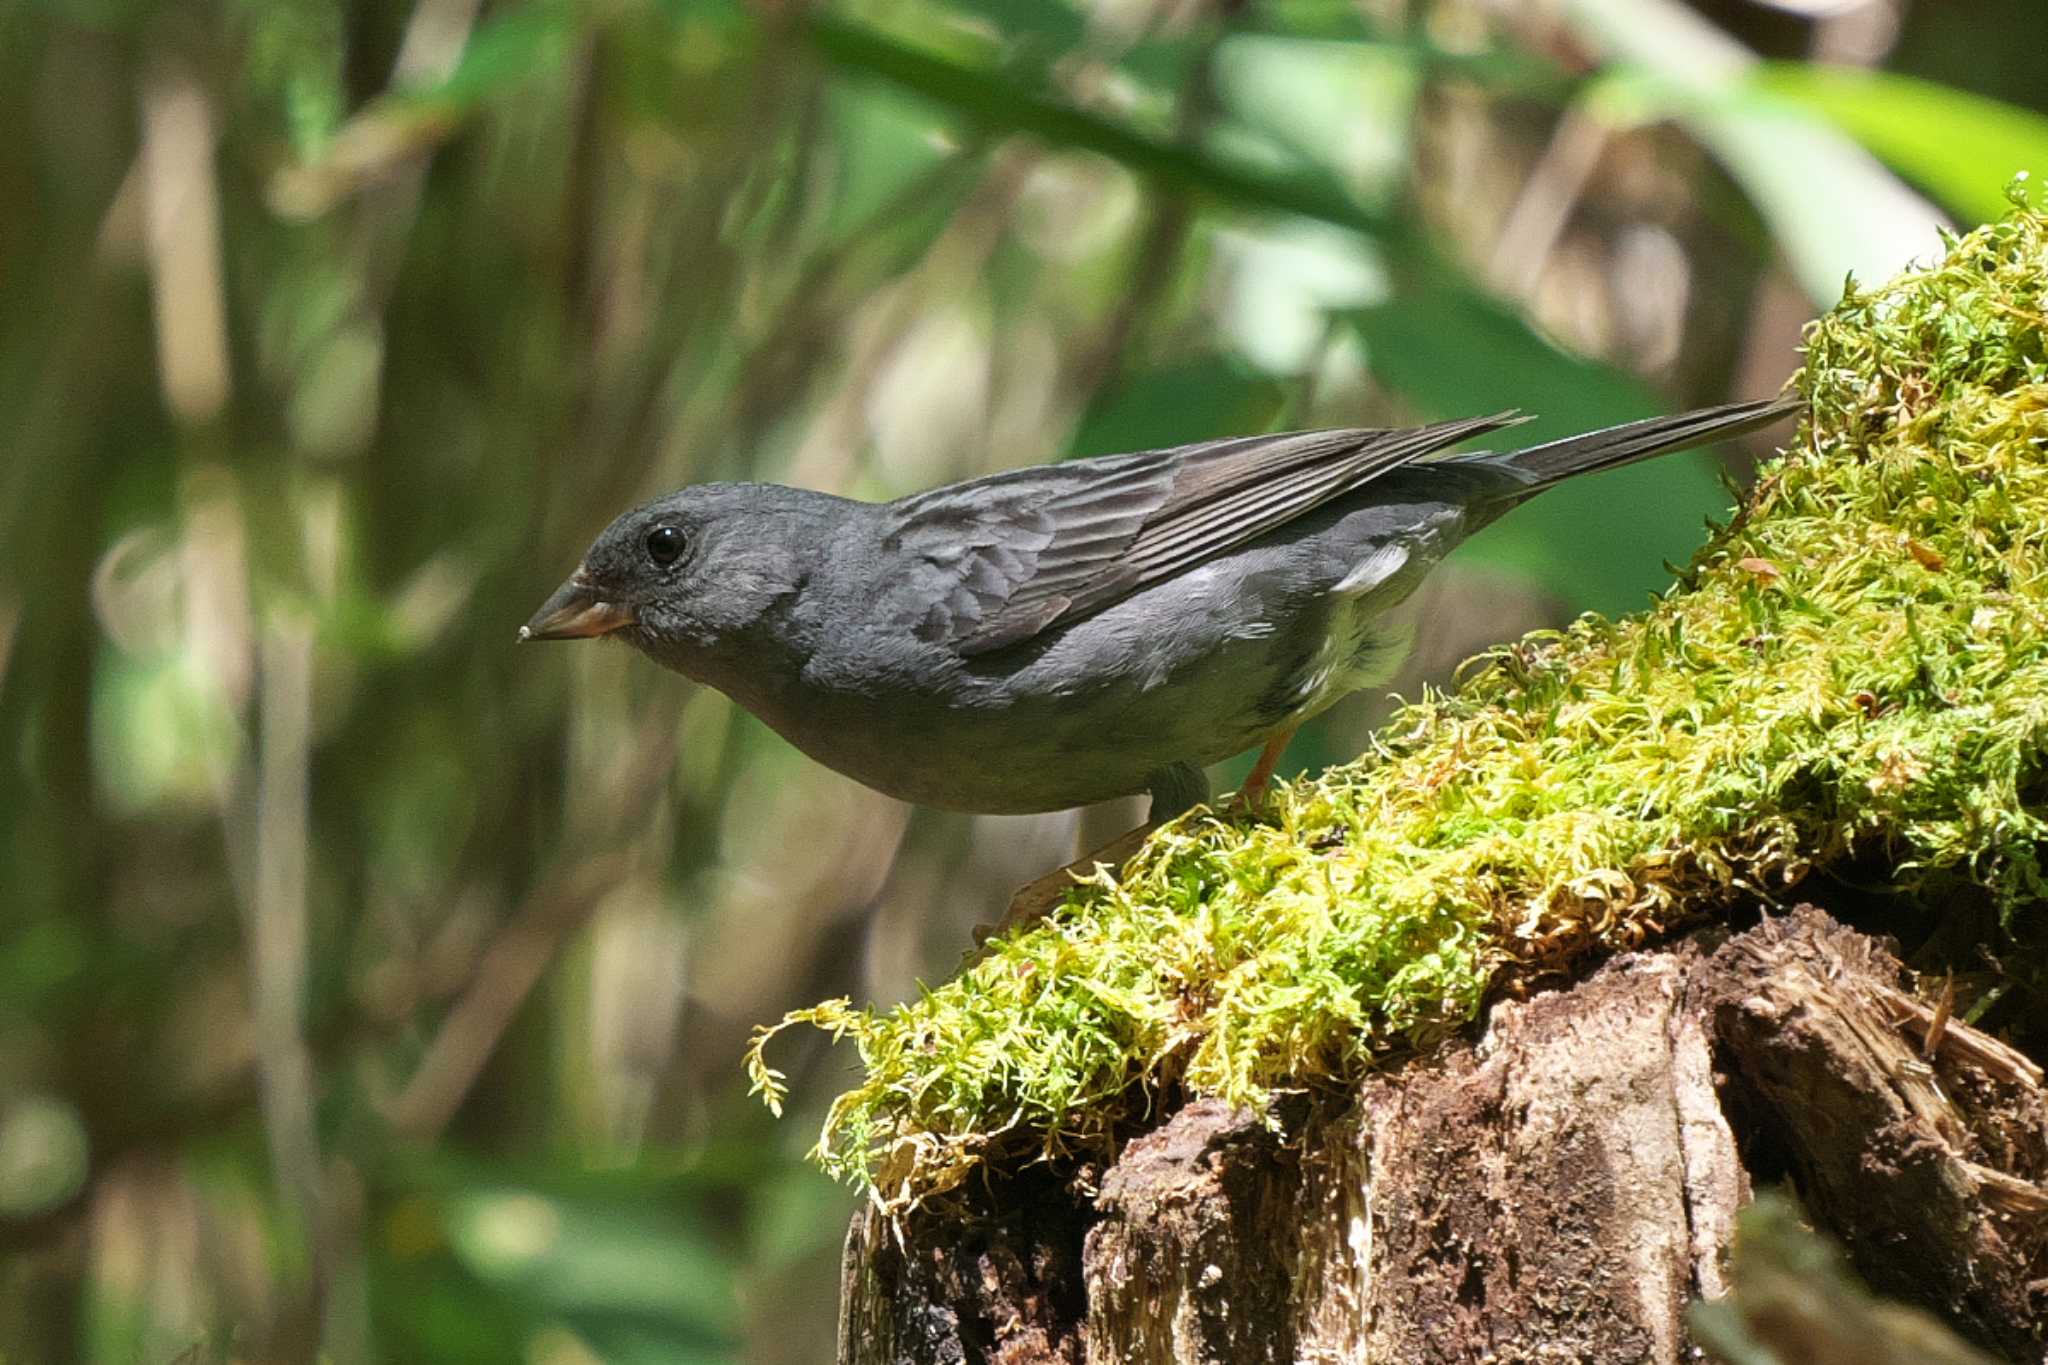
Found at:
[1560, 1187]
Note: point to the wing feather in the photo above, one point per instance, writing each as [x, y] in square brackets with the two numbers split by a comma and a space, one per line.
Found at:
[1017, 553]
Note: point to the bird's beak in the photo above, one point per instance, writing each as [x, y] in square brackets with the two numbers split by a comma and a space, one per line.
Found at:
[576, 612]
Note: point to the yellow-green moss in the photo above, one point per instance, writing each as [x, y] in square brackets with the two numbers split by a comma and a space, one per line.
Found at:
[1858, 663]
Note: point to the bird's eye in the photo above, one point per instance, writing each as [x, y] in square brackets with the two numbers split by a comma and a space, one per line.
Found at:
[664, 545]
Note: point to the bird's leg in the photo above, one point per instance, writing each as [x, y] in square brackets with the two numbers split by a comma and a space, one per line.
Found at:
[1252, 794]
[1175, 788]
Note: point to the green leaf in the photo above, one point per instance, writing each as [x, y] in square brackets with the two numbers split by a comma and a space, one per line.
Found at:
[504, 50]
[293, 62]
[1960, 147]
[1048, 29]
[620, 1339]
[592, 1255]
[1206, 397]
[429, 1310]
[886, 142]
[984, 97]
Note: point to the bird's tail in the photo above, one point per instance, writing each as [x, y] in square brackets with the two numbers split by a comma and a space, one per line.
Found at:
[1538, 467]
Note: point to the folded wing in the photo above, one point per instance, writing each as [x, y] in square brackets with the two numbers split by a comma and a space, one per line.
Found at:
[1011, 556]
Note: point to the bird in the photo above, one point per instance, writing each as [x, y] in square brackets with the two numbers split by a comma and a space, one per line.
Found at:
[1062, 634]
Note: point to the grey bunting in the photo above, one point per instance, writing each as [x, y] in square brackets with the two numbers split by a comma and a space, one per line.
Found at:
[1063, 634]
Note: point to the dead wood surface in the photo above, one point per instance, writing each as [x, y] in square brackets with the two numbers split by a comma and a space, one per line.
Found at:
[1931, 1168]
[1560, 1188]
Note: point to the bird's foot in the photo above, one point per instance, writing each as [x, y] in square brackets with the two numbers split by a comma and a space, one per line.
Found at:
[1251, 797]
[1038, 898]
[1246, 802]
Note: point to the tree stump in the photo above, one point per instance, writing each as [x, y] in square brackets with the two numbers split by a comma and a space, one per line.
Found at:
[1560, 1187]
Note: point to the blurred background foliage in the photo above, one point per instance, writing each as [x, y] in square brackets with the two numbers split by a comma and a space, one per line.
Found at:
[372, 990]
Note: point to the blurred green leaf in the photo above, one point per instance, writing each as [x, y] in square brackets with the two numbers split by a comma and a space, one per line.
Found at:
[162, 734]
[430, 1310]
[1962, 148]
[1037, 34]
[622, 1340]
[598, 1257]
[1455, 353]
[508, 47]
[1040, 31]
[983, 97]
[797, 1212]
[1345, 107]
[622, 1259]
[886, 141]
[1501, 69]
[293, 60]
[719, 1168]
[1285, 283]
[1207, 397]
[504, 51]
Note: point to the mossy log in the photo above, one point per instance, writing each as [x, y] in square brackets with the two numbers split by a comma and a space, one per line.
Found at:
[1474, 1049]
[1561, 1188]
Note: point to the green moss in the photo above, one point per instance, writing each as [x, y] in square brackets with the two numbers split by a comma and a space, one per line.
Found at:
[1858, 664]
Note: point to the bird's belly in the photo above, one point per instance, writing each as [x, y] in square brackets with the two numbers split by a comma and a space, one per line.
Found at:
[1033, 739]
[1358, 650]
[1016, 758]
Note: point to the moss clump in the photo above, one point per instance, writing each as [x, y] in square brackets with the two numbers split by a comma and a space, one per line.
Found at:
[1859, 663]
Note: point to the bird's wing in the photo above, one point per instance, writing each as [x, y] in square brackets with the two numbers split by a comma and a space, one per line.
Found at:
[1006, 557]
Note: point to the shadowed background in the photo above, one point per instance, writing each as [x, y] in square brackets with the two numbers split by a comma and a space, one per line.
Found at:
[373, 990]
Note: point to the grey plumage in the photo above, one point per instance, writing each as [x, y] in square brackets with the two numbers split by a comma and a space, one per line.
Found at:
[1064, 634]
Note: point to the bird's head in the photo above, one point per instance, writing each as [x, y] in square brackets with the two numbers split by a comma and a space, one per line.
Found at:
[681, 575]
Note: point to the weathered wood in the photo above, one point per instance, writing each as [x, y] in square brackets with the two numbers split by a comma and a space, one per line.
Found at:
[1191, 1257]
[1532, 1194]
[1924, 1165]
[1560, 1188]
[1001, 1284]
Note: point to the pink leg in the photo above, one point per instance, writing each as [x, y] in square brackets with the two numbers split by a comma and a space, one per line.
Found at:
[1253, 793]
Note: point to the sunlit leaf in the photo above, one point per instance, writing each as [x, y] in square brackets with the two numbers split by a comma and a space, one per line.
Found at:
[1963, 148]
[163, 735]
[1284, 281]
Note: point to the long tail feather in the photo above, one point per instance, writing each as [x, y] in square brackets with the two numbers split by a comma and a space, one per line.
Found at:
[1541, 466]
